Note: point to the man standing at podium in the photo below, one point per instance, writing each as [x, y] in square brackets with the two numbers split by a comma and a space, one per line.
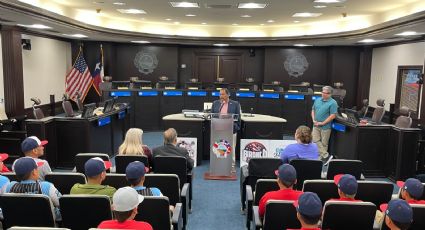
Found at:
[323, 112]
[227, 106]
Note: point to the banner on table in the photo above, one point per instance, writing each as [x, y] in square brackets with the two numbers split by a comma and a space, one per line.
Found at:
[190, 144]
[257, 148]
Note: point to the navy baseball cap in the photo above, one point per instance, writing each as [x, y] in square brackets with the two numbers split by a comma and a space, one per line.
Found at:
[347, 183]
[135, 170]
[25, 165]
[96, 166]
[309, 204]
[287, 173]
[31, 143]
[413, 186]
[398, 210]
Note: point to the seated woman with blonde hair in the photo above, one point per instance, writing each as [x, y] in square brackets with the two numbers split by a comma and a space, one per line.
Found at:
[303, 149]
[133, 145]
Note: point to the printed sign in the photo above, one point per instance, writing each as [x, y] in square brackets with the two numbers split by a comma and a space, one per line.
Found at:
[253, 148]
[190, 144]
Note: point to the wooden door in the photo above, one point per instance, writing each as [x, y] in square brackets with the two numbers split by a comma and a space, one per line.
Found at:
[206, 68]
[230, 68]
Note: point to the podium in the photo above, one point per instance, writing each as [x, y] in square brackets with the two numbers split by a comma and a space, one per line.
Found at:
[221, 147]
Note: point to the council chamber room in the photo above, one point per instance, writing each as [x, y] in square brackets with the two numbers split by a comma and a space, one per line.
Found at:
[212, 114]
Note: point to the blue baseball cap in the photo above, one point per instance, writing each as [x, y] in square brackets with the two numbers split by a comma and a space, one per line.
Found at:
[287, 173]
[413, 186]
[135, 170]
[25, 165]
[398, 210]
[347, 183]
[309, 204]
[31, 143]
[96, 166]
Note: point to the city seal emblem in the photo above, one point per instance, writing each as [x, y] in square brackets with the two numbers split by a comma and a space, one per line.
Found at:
[222, 148]
[145, 62]
[296, 65]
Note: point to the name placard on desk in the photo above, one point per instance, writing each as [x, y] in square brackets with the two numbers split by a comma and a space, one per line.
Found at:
[121, 114]
[270, 95]
[148, 93]
[215, 93]
[294, 96]
[120, 93]
[172, 93]
[245, 94]
[338, 127]
[197, 93]
[104, 121]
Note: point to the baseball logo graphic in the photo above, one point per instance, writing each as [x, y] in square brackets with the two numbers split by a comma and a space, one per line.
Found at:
[222, 148]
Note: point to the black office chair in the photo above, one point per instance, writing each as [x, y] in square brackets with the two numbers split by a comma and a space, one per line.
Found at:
[341, 166]
[64, 181]
[253, 198]
[81, 158]
[121, 161]
[84, 211]
[30, 210]
[258, 168]
[116, 180]
[404, 120]
[67, 108]
[348, 215]
[379, 111]
[307, 170]
[175, 165]
[325, 189]
[377, 192]
[169, 184]
[155, 211]
[279, 215]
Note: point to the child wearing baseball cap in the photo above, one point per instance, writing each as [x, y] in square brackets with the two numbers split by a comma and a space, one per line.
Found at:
[4, 181]
[124, 204]
[411, 191]
[347, 187]
[309, 210]
[398, 214]
[33, 147]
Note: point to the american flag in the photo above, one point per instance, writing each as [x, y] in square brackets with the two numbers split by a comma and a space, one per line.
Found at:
[79, 79]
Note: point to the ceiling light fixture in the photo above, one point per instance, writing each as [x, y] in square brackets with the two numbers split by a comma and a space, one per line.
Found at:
[245, 16]
[131, 11]
[319, 6]
[408, 33]
[306, 15]
[176, 23]
[190, 15]
[35, 26]
[329, 1]
[251, 5]
[75, 35]
[204, 23]
[168, 19]
[368, 40]
[185, 4]
[141, 42]
[262, 24]
[220, 44]
[302, 45]
[235, 24]
[119, 3]
[270, 21]
[297, 21]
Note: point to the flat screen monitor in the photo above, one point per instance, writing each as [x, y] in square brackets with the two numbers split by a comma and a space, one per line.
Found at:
[120, 84]
[142, 84]
[299, 88]
[352, 116]
[88, 110]
[317, 88]
[108, 106]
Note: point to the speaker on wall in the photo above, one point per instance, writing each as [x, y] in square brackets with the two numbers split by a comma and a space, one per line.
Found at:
[26, 44]
[252, 52]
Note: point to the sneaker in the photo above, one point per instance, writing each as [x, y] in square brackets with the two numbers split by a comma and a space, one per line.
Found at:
[326, 160]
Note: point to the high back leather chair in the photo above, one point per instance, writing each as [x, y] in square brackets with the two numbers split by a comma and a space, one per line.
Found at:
[341, 166]
[67, 108]
[348, 215]
[306, 170]
[279, 215]
[253, 198]
[81, 158]
[377, 192]
[26, 210]
[155, 211]
[121, 161]
[64, 181]
[404, 120]
[38, 113]
[325, 189]
[363, 111]
[84, 211]
[379, 112]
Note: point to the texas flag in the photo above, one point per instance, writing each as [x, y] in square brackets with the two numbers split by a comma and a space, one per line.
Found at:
[98, 72]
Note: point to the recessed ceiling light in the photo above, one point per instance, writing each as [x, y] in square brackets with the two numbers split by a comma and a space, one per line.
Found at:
[408, 33]
[141, 42]
[270, 21]
[251, 5]
[220, 44]
[245, 16]
[319, 6]
[75, 35]
[131, 11]
[297, 21]
[306, 15]
[176, 23]
[204, 23]
[98, 2]
[190, 15]
[329, 1]
[262, 24]
[35, 26]
[368, 40]
[185, 4]
[302, 45]
[119, 3]
[234, 24]
[168, 19]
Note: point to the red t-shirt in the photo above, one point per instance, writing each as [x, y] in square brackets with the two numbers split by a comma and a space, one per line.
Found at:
[345, 199]
[282, 194]
[128, 224]
[416, 201]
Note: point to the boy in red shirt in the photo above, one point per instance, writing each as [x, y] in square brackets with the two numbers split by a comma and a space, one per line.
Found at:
[287, 177]
[399, 214]
[411, 191]
[124, 203]
[309, 211]
[347, 187]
